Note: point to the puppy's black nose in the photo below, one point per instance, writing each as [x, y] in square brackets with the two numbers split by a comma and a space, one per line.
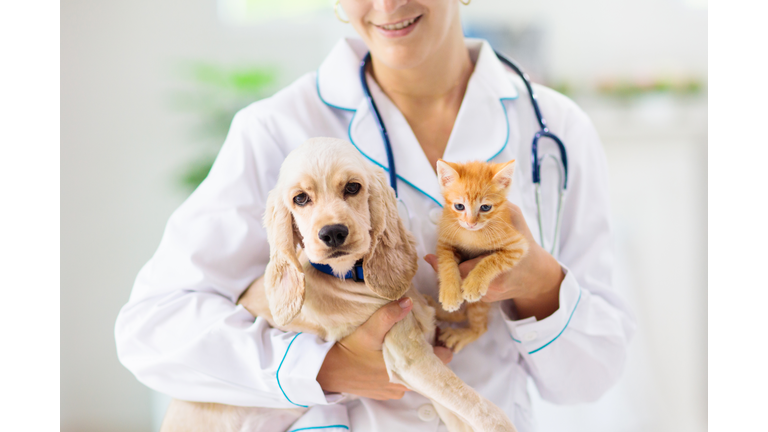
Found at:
[333, 235]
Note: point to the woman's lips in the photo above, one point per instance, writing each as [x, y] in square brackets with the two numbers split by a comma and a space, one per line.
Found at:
[405, 27]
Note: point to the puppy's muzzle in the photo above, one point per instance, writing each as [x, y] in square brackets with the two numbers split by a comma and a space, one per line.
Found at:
[333, 235]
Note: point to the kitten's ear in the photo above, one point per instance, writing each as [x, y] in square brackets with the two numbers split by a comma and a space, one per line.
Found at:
[446, 174]
[504, 173]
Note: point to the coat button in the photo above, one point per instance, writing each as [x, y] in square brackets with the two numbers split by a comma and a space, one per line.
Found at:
[435, 214]
[531, 336]
[427, 412]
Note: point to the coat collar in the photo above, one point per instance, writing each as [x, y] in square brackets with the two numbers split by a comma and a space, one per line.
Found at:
[481, 130]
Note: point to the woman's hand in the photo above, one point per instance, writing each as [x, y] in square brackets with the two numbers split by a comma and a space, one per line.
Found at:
[533, 284]
[355, 364]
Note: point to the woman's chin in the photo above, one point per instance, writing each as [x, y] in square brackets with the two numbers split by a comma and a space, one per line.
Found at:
[401, 57]
[400, 54]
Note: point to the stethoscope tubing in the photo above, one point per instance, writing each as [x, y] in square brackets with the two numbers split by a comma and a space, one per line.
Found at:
[543, 132]
[379, 123]
[536, 162]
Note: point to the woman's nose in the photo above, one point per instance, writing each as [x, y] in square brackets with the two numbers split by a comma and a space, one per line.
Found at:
[388, 6]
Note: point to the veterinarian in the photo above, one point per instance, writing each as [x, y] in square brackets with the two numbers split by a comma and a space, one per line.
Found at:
[558, 320]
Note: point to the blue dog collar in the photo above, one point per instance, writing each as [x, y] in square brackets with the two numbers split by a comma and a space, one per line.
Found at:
[356, 274]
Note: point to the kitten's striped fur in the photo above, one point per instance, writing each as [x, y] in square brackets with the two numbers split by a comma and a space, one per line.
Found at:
[476, 220]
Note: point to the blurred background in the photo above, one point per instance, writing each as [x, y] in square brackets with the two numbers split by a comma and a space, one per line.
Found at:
[148, 91]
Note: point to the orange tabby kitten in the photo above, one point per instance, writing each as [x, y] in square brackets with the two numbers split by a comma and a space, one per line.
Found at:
[476, 220]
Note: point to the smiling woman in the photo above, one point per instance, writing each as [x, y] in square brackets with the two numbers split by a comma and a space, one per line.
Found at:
[442, 97]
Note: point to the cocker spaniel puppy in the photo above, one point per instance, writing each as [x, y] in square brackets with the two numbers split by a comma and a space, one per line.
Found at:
[331, 206]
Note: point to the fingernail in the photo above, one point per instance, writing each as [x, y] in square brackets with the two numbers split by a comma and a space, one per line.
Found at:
[404, 302]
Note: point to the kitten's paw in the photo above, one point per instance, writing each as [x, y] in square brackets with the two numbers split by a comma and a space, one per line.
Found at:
[443, 315]
[450, 290]
[457, 338]
[474, 288]
[451, 299]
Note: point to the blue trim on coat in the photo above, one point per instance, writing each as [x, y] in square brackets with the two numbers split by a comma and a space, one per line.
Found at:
[277, 374]
[317, 84]
[349, 134]
[561, 331]
[506, 117]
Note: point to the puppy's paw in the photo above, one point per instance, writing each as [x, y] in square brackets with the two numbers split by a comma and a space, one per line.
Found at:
[495, 420]
[487, 417]
[457, 338]
[474, 288]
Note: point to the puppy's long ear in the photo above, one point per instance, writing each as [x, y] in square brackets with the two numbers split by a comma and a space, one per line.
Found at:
[392, 262]
[284, 278]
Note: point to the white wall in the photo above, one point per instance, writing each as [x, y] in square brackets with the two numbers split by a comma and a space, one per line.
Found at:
[656, 149]
[122, 146]
[592, 40]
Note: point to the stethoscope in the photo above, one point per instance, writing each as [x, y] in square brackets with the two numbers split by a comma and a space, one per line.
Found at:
[536, 162]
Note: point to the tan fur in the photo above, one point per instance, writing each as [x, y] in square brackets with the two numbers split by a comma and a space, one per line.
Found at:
[445, 316]
[470, 232]
[283, 277]
[389, 244]
[294, 296]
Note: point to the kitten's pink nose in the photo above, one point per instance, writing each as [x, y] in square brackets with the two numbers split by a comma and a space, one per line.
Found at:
[471, 225]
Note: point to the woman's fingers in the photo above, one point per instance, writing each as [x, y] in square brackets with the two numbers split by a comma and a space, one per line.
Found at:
[371, 334]
[518, 220]
[444, 354]
[355, 364]
[387, 394]
[432, 260]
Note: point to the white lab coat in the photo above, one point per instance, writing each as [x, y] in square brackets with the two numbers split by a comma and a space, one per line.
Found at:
[182, 334]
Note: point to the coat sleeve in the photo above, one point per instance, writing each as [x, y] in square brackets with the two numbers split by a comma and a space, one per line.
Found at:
[181, 332]
[576, 354]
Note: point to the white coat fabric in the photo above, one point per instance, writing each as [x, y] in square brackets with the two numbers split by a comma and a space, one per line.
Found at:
[182, 334]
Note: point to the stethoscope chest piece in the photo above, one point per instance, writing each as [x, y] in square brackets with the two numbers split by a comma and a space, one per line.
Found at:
[561, 191]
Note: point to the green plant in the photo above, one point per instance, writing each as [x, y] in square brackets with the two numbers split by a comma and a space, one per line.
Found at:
[626, 89]
[212, 94]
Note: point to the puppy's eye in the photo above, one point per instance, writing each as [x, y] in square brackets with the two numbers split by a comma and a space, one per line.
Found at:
[458, 207]
[485, 208]
[352, 188]
[301, 199]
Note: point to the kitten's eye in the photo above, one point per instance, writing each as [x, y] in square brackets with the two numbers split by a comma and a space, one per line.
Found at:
[301, 199]
[352, 188]
[485, 208]
[458, 207]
